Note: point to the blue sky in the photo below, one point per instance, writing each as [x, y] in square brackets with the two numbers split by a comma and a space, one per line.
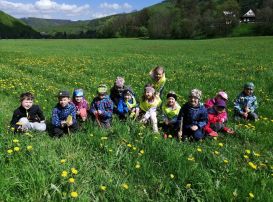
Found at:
[71, 9]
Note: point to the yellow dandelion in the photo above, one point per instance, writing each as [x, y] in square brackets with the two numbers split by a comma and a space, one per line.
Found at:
[15, 141]
[103, 188]
[252, 165]
[104, 138]
[10, 151]
[134, 148]
[74, 194]
[172, 176]
[142, 151]
[29, 148]
[110, 150]
[256, 154]
[246, 156]
[221, 144]
[170, 136]
[251, 195]
[137, 166]
[129, 145]
[215, 138]
[74, 171]
[225, 161]
[71, 180]
[216, 152]
[63, 161]
[247, 151]
[199, 149]
[64, 173]
[91, 135]
[16, 149]
[191, 158]
[125, 186]
[188, 186]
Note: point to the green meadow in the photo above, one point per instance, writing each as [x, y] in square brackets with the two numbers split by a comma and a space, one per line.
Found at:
[128, 162]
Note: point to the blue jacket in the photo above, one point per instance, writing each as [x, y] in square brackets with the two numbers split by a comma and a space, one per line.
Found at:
[243, 101]
[193, 116]
[60, 113]
[122, 107]
[105, 105]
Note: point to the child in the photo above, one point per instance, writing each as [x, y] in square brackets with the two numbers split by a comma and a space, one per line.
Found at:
[194, 116]
[128, 104]
[148, 105]
[216, 119]
[246, 104]
[28, 116]
[64, 115]
[170, 112]
[81, 104]
[116, 92]
[102, 107]
[220, 95]
[158, 79]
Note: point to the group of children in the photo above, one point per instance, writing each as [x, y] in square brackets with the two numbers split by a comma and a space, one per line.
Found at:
[193, 120]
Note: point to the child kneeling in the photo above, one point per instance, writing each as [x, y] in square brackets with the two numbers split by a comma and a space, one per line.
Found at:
[192, 117]
[28, 116]
[217, 117]
[102, 107]
[148, 106]
[64, 116]
[170, 112]
[128, 105]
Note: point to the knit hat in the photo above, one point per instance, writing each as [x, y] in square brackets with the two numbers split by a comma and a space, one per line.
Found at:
[119, 82]
[249, 85]
[196, 93]
[220, 103]
[172, 94]
[63, 94]
[223, 94]
[102, 89]
[78, 92]
[150, 89]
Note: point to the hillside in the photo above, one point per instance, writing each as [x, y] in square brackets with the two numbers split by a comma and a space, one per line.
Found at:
[11, 27]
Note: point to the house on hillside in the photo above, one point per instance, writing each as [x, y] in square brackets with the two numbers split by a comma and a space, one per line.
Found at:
[248, 17]
[229, 17]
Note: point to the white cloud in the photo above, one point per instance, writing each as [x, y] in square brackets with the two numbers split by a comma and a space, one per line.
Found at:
[42, 8]
[115, 6]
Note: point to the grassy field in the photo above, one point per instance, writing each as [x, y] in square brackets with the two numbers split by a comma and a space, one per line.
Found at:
[129, 162]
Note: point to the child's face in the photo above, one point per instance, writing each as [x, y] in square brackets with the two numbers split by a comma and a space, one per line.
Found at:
[148, 95]
[219, 109]
[127, 97]
[64, 101]
[27, 103]
[101, 95]
[171, 101]
[158, 74]
[248, 91]
[78, 98]
[194, 101]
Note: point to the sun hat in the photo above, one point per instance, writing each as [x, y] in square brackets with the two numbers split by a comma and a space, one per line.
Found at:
[78, 92]
[223, 94]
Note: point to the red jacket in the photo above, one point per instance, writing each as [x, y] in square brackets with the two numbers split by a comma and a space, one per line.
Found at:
[214, 117]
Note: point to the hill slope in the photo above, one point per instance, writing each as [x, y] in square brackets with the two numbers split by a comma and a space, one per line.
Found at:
[11, 27]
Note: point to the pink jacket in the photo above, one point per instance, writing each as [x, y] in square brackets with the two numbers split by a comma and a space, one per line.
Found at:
[214, 117]
[81, 105]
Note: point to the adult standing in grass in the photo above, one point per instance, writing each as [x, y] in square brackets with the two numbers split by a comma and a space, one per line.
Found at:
[158, 79]
[195, 117]
[64, 116]
[246, 104]
[28, 116]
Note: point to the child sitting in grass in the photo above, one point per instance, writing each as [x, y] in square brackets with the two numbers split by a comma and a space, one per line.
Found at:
[128, 105]
[217, 119]
[148, 106]
[64, 116]
[192, 117]
[102, 107]
[170, 112]
[158, 79]
[81, 104]
[220, 95]
[246, 104]
[28, 116]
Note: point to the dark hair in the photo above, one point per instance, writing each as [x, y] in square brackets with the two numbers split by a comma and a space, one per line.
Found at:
[26, 96]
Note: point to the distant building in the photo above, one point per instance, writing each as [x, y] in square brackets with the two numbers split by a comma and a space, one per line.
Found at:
[248, 17]
[229, 17]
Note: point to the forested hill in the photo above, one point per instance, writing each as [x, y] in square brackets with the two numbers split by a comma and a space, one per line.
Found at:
[11, 27]
[174, 19]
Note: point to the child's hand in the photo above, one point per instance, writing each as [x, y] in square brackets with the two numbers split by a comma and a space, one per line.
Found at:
[78, 112]
[166, 122]
[69, 123]
[230, 131]
[180, 133]
[213, 134]
[194, 128]
[63, 124]
[245, 115]
[99, 112]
